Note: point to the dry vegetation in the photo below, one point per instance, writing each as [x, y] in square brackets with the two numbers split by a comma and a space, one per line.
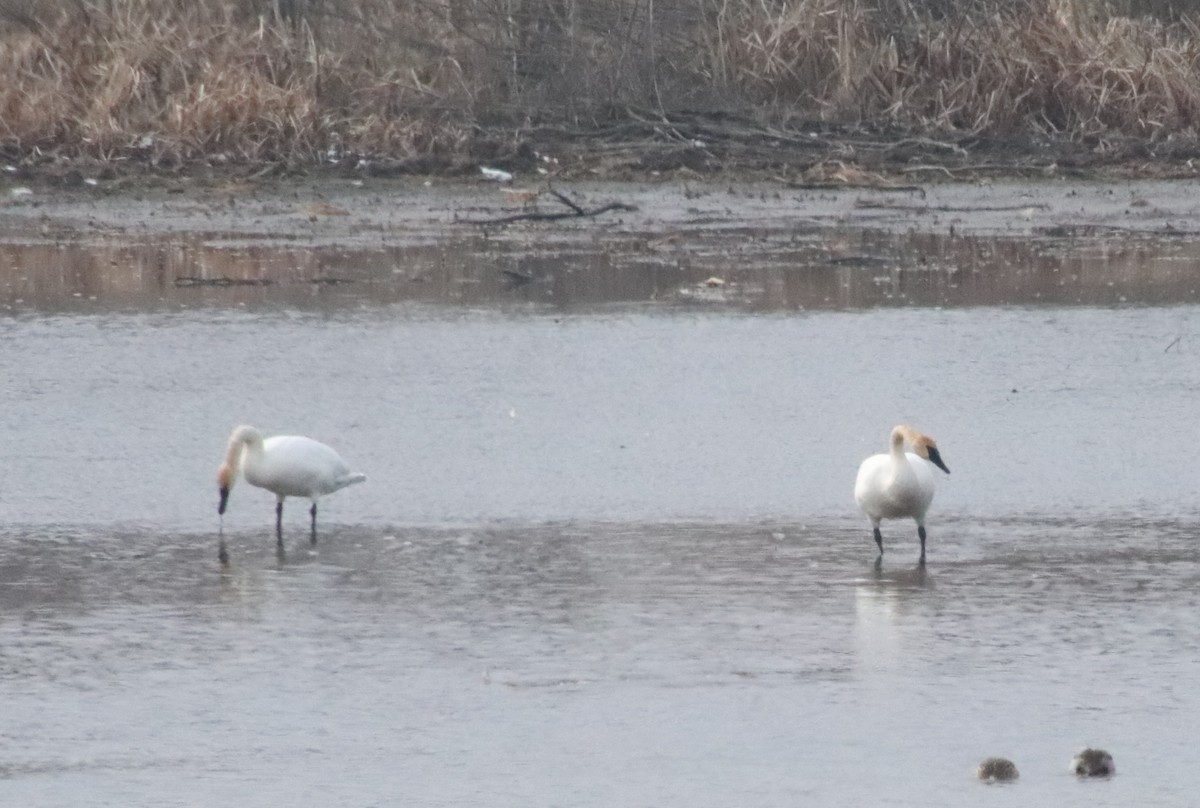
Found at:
[168, 82]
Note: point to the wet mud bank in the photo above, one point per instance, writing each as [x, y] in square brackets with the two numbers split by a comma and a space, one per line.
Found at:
[755, 246]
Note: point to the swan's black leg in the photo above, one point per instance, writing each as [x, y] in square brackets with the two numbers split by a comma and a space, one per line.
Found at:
[879, 540]
[313, 511]
[921, 533]
[279, 523]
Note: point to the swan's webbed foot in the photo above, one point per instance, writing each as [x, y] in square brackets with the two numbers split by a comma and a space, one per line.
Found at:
[222, 553]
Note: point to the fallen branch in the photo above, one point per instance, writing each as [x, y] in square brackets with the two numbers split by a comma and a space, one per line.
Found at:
[967, 169]
[191, 280]
[576, 212]
[566, 200]
[866, 203]
[1088, 230]
[924, 141]
[515, 279]
[185, 281]
[850, 186]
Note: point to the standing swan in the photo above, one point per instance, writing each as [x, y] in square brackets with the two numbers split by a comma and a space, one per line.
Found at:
[898, 484]
[285, 465]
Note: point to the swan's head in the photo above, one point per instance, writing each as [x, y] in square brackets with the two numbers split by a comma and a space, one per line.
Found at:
[226, 477]
[1093, 763]
[227, 474]
[924, 446]
[997, 770]
[245, 434]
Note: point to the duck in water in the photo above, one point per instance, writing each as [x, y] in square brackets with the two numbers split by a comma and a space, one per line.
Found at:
[1093, 763]
[997, 770]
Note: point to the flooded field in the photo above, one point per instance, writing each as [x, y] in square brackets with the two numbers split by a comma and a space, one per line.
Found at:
[607, 552]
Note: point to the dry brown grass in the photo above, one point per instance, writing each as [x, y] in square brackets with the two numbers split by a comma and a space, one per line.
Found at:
[167, 82]
[1044, 65]
[146, 79]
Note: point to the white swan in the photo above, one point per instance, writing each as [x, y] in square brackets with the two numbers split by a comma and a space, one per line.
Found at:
[899, 484]
[285, 465]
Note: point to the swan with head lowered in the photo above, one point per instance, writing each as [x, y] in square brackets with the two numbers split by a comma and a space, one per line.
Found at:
[285, 465]
[899, 484]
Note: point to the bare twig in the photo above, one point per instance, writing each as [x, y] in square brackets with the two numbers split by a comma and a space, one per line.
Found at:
[566, 200]
[927, 142]
[1085, 230]
[967, 169]
[866, 203]
[576, 212]
[191, 280]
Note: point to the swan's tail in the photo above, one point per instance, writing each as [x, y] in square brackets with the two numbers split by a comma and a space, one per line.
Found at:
[351, 479]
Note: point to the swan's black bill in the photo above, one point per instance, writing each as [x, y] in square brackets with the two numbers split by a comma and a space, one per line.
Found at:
[224, 501]
[936, 459]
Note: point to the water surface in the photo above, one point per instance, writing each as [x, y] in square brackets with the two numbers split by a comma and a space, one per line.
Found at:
[607, 553]
[594, 663]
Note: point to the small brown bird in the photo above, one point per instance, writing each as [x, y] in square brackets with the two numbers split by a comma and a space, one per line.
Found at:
[997, 770]
[1093, 763]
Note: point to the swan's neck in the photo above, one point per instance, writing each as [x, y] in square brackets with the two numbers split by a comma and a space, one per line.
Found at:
[233, 461]
[898, 437]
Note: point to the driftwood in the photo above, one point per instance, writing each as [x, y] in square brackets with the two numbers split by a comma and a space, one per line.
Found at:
[868, 204]
[800, 185]
[515, 279]
[191, 280]
[186, 281]
[1087, 230]
[575, 212]
[971, 168]
[731, 136]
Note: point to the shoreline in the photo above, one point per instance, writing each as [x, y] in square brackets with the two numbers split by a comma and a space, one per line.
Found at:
[716, 148]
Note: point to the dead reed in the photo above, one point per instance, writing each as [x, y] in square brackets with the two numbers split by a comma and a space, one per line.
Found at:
[1052, 66]
[167, 82]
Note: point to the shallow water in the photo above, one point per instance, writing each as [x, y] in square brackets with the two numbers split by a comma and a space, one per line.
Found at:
[607, 552]
[598, 663]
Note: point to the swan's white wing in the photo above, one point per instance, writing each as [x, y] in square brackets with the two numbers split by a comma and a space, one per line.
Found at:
[884, 491]
[295, 466]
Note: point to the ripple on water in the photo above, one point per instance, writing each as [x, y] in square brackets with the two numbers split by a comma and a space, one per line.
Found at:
[659, 650]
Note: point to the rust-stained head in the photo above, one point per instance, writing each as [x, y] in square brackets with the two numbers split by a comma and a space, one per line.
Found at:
[228, 472]
[922, 445]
